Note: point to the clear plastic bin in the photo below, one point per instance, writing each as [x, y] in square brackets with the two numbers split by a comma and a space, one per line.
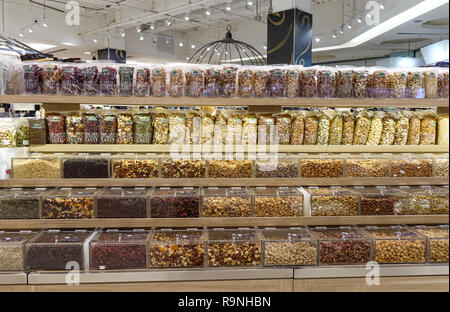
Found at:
[230, 168]
[412, 166]
[428, 200]
[174, 203]
[183, 168]
[56, 250]
[121, 203]
[332, 201]
[367, 166]
[343, 245]
[383, 201]
[68, 204]
[234, 247]
[85, 167]
[328, 167]
[226, 202]
[119, 250]
[181, 248]
[17, 203]
[437, 247]
[137, 167]
[277, 168]
[36, 167]
[12, 250]
[397, 244]
[278, 202]
[289, 247]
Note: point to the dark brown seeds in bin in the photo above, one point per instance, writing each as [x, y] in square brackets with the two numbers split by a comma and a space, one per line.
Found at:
[86, 168]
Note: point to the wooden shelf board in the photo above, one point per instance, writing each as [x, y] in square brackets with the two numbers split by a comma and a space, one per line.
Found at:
[219, 222]
[220, 182]
[155, 148]
[221, 101]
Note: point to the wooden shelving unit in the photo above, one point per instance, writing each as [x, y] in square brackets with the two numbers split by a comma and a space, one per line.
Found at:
[220, 182]
[223, 101]
[155, 148]
[218, 222]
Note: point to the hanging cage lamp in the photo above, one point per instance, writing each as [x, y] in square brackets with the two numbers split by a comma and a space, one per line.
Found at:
[228, 51]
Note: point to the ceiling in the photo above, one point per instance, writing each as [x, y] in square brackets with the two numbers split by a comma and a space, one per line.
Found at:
[104, 21]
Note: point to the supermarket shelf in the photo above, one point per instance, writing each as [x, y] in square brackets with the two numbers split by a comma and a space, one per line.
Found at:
[223, 101]
[16, 278]
[218, 222]
[361, 271]
[163, 275]
[154, 148]
[220, 182]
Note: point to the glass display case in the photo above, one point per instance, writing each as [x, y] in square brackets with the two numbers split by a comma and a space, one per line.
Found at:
[183, 248]
[55, 250]
[85, 167]
[121, 203]
[119, 249]
[441, 166]
[166, 202]
[226, 202]
[278, 202]
[397, 244]
[383, 201]
[12, 250]
[437, 242]
[332, 201]
[289, 247]
[343, 245]
[68, 204]
[18, 203]
[36, 167]
[234, 247]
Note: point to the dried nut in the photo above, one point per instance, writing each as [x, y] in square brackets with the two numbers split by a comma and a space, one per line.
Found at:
[193, 128]
[142, 128]
[230, 169]
[207, 129]
[194, 83]
[322, 168]
[443, 85]
[226, 206]
[379, 84]
[74, 129]
[326, 84]
[276, 169]
[414, 85]
[364, 168]
[429, 204]
[126, 75]
[336, 128]
[250, 129]
[344, 84]
[245, 83]
[362, 129]
[311, 130]
[298, 130]
[348, 129]
[183, 168]
[266, 129]
[441, 167]
[142, 82]
[290, 253]
[397, 84]
[176, 84]
[376, 128]
[428, 130]
[401, 131]
[430, 82]
[360, 83]
[234, 254]
[161, 129]
[227, 81]
[337, 205]
[262, 83]
[177, 129]
[36, 168]
[234, 130]
[388, 133]
[324, 130]
[283, 125]
[158, 81]
[308, 82]
[383, 205]
[412, 168]
[443, 131]
[400, 251]
[125, 129]
[292, 83]
[68, 208]
[438, 244]
[11, 258]
[139, 168]
[283, 206]
[414, 131]
[277, 82]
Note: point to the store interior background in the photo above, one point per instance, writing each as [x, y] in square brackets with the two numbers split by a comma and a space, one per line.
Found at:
[101, 21]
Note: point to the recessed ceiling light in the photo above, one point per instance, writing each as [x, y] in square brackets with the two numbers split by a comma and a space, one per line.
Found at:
[249, 3]
[349, 26]
[44, 24]
[265, 47]
[208, 12]
[40, 46]
[95, 40]
[21, 35]
[138, 29]
[68, 44]
[141, 38]
[334, 36]
[87, 52]
[30, 30]
[193, 46]
[152, 27]
[317, 39]
[228, 7]
[186, 18]
[359, 20]
[381, 6]
[341, 31]
[181, 44]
